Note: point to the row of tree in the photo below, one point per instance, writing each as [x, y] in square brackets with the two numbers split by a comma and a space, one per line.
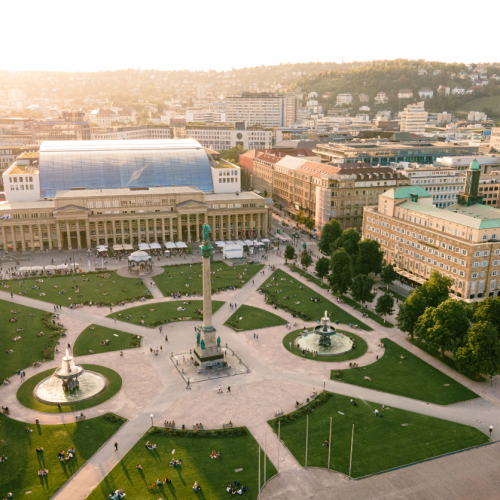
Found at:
[469, 331]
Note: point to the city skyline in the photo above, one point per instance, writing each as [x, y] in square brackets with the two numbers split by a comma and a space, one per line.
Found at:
[112, 35]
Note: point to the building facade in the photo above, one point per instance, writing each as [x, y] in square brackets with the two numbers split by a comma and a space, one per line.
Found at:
[268, 110]
[495, 138]
[414, 119]
[461, 241]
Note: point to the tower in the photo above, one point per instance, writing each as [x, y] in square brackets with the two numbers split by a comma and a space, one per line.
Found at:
[470, 194]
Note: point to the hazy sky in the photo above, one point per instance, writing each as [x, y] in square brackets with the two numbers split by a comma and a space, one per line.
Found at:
[93, 35]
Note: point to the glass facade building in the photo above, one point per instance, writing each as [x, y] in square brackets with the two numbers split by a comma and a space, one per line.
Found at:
[123, 164]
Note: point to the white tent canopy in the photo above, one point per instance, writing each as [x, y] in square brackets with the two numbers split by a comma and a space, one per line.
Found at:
[62, 266]
[181, 244]
[102, 248]
[37, 268]
[220, 243]
[72, 266]
[24, 269]
[126, 246]
[249, 243]
[170, 244]
[259, 244]
[233, 251]
[50, 268]
[117, 248]
[155, 246]
[144, 246]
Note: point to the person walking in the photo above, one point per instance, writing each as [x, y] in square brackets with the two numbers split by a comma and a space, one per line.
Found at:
[116, 445]
[166, 338]
[228, 389]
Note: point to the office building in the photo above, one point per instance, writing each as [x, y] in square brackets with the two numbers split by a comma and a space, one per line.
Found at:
[344, 99]
[495, 138]
[461, 241]
[414, 118]
[117, 193]
[72, 126]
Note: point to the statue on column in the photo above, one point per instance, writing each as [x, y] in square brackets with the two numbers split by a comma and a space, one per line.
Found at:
[206, 232]
[218, 341]
[198, 338]
[202, 344]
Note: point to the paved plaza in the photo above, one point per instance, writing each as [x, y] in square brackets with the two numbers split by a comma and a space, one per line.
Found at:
[275, 380]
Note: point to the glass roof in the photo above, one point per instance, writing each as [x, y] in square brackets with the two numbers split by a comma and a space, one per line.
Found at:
[122, 164]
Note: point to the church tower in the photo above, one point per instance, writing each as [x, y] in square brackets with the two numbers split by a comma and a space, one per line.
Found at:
[470, 195]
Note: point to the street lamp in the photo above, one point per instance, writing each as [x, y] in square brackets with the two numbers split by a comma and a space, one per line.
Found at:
[151, 415]
[491, 430]
[324, 384]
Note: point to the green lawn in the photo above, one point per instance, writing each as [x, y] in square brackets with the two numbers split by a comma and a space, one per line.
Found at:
[26, 398]
[175, 278]
[323, 284]
[105, 288]
[360, 309]
[358, 351]
[20, 471]
[237, 452]
[93, 335]
[164, 312]
[277, 290]
[410, 377]
[396, 295]
[398, 438]
[252, 318]
[30, 347]
[448, 361]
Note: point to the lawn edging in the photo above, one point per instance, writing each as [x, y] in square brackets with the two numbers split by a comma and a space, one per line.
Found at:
[201, 433]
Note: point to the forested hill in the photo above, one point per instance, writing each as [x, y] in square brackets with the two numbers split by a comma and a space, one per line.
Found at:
[392, 76]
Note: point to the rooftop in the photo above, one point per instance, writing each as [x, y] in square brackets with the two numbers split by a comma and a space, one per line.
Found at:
[91, 193]
[403, 192]
[112, 145]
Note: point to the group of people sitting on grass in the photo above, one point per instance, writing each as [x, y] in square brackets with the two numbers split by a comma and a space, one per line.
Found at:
[215, 454]
[28, 429]
[175, 463]
[236, 487]
[3, 458]
[150, 446]
[43, 472]
[62, 455]
[105, 342]
[116, 495]
[6, 381]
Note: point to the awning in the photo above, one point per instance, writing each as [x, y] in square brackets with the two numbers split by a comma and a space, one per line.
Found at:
[50, 268]
[62, 266]
[220, 243]
[181, 244]
[239, 242]
[248, 243]
[265, 240]
[155, 246]
[170, 244]
[37, 268]
[259, 244]
[24, 269]
[144, 246]
[102, 248]
[117, 248]
[72, 266]
[128, 247]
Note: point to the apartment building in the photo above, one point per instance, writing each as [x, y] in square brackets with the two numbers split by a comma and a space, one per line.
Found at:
[461, 241]
[414, 118]
[364, 97]
[72, 126]
[495, 138]
[268, 110]
[324, 192]
[344, 99]
[205, 115]
[489, 187]
[405, 94]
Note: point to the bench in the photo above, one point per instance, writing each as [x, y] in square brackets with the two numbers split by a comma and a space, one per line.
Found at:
[227, 426]
[198, 427]
[169, 426]
[80, 417]
[314, 394]
[299, 405]
[279, 413]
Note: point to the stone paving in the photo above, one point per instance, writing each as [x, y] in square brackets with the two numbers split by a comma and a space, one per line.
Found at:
[277, 378]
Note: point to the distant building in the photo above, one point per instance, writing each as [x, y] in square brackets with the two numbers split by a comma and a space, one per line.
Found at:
[381, 98]
[477, 116]
[344, 99]
[495, 138]
[201, 91]
[414, 119]
[422, 71]
[405, 94]
[445, 89]
[364, 97]
[425, 93]
[458, 90]
[312, 95]
[103, 117]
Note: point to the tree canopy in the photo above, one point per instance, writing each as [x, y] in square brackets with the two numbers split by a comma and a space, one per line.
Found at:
[385, 305]
[369, 258]
[322, 267]
[361, 288]
[488, 310]
[289, 253]
[388, 274]
[306, 259]
[331, 231]
[341, 276]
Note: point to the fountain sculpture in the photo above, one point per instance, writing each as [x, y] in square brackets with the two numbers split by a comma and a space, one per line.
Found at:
[70, 383]
[325, 340]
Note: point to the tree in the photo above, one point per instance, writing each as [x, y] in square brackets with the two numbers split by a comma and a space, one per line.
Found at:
[310, 224]
[481, 352]
[444, 327]
[232, 154]
[488, 310]
[341, 275]
[388, 275]
[289, 253]
[410, 311]
[300, 217]
[369, 258]
[436, 289]
[329, 234]
[306, 259]
[361, 288]
[322, 267]
[385, 305]
[349, 241]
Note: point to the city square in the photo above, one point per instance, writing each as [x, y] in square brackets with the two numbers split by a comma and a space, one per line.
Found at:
[124, 436]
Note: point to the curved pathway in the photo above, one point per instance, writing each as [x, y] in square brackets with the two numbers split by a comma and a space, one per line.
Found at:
[277, 378]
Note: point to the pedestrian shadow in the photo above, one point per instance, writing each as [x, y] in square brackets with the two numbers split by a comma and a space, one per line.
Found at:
[179, 472]
[172, 490]
[157, 456]
[125, 471]
[41, 460]
[141, 473]
[39, 429]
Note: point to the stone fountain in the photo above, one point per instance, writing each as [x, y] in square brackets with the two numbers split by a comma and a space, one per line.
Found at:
[325, 340]
[70, 383]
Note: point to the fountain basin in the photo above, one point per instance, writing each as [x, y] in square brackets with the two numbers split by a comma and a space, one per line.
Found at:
[340, 344]
[51, 390]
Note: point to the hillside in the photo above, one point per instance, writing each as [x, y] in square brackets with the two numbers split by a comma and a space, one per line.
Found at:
[489, 105]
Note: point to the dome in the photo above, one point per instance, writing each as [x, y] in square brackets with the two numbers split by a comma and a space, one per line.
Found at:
[474, 165]
[139, 255]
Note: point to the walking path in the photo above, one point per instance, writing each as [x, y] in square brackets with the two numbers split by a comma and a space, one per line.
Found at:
[277, 378]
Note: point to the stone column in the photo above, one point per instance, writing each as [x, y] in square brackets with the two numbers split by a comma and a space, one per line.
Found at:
[78, 236]
[113, 224]
[131, 231]
[237, 225]
[189, 228]
[49, 234]
[40, 236]
[258, 224]
[13, 234]
[23, 243]
[122, 229]
[32, 239]
[197, 227]
[105, 224]
[59, 238]
[163, 231]
[68, 233]
[171, 220]
[4, 238]
[146, 224]
[87, 231]
[264, 216]
[138, 231]
[179, 228]
[209, 337]
[155, 229]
